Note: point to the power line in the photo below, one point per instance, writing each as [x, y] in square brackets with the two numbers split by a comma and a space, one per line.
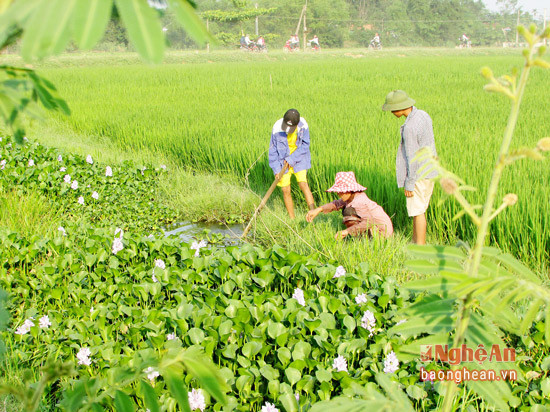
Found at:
[492, 20]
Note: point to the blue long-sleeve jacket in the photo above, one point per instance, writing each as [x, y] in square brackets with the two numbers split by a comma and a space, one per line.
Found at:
[279, 150]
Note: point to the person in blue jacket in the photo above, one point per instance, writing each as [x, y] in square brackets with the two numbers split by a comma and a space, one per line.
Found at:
[290, 146]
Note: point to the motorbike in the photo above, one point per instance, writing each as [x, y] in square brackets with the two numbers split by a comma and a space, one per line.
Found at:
[375, 45]
[314, 46]
[252, 47]
[289, 47]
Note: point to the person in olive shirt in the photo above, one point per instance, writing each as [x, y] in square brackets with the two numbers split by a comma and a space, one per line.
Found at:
[416, 133]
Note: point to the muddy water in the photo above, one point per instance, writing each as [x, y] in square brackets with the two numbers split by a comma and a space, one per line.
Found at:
[188, 231]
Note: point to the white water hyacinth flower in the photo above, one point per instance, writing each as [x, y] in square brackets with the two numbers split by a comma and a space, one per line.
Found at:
[119, 230]
[171, 336]
[368, 322]
[152, 373]
[117, 245]
[297, 396]
[154, 278]
[269, 407]
[299, 296]
[340, 271]
[340, 364]
[391, 363]
[59, 158]
[89, 159]
[67, 178]
[362, 298]
[80, 200]
[25, 327]
[8, 145]
[61, 229]
[3, 164]
[74, 185]
[198, 246]
[91, 310]
[44, 322]
[196, 400]
[108, 171]
[62, 169]
[31, 162]
[159, 263]
[25, 139]
[83, 356]
[163, 167]
[95, 195]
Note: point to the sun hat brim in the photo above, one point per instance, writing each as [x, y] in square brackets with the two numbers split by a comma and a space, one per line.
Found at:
[356, 187]
[405, 104]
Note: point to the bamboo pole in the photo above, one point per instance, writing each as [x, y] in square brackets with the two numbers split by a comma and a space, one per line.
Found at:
[264, 200]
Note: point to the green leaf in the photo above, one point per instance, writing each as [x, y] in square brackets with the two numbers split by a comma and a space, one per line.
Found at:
[144, 28]
[416, 392]
[150, 397]
[436, 284]
[178, 390]
[90, 20]
[276, 329]
[428, 267]
[288, 401]
[424, 324]
[17, 14]
[293, 375]
[196, 336]
[530, 316]
[48, 30]
[205, 371]
[192, 24]
[437, 252]
[493, 393]
[323, 375]
[545, 386]
[301, 350]
[264, 278]
[517, 267]
[123, 403]
[250, 349]
[349, 323]
[341, 404]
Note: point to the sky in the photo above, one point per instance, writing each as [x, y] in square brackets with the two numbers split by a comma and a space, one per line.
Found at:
[526, 5]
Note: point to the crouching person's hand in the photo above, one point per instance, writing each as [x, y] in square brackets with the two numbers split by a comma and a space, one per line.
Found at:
[312, 214]
[341, 234]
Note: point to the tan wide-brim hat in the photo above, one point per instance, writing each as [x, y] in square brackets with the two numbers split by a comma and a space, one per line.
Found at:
[397, 100]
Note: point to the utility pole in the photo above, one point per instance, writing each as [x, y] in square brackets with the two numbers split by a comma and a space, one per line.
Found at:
[207, 44]
[302, 15]
[257, 32]
[517, 33]
[305, 28]
[544, 24]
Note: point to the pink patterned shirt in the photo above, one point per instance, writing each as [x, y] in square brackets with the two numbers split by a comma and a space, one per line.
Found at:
[371, 213]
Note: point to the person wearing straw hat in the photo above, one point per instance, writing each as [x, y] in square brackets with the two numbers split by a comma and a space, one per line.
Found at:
[290, 147]
[416, 133]
[360, 214]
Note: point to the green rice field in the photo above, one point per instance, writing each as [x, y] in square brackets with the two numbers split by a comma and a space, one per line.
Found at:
[215, 115]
